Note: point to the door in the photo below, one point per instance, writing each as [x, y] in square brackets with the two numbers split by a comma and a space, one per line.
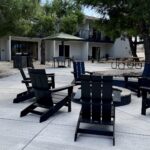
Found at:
[96, 53]
[65, 52]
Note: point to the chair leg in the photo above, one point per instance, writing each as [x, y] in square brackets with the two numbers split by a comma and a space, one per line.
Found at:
[77, 127]
[143, 109]
[52, 110]
[46, 115]
[27, 110]
[70, 90]
[69, 105]
[113, 141]
[138, 93]
[114, 135]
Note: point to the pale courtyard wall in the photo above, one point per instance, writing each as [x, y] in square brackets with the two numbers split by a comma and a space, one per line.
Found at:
[121, 48]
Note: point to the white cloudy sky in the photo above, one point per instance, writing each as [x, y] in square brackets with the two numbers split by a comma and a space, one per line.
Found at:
[87, 11]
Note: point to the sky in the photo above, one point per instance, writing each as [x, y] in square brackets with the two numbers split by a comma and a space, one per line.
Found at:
[87, 11]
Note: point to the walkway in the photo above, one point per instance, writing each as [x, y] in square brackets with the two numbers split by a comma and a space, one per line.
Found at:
[57, 133]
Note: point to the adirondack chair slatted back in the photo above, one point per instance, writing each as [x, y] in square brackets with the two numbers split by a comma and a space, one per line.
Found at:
[96, 96]
[86, 98]
[146, 71]
[106, 98]
[79, 69]
[97, 106]
[24, 78]
[41, 86]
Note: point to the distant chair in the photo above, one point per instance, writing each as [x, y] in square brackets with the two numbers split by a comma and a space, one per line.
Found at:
[60, 61]
[79, 69]
[143, 81]
[27, 81]
[97, 106]
[50, 99]
[26, 94]
[145, 91]
[146, 71]
[144, 88]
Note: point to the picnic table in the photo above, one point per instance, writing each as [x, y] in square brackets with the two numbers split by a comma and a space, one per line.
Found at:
[130, 62]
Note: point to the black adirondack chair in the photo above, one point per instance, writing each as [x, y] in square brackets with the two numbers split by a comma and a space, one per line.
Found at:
[28, 94]
[97, 106]
[145, 91]
[79, 69]
[50, 99]
[143, 81]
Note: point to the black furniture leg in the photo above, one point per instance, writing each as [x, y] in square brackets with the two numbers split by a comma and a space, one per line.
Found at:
[143, 110]
[27, 110]
[76, 132]
[52, 110]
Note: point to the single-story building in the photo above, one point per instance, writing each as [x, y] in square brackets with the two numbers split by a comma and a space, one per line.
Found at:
[80, 49]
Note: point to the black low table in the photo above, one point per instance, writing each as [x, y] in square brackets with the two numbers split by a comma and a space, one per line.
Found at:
[121, 96]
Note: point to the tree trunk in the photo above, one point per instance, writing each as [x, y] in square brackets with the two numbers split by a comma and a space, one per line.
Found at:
[42, 52]
[133, 46]
[147, 48]
[146, 71]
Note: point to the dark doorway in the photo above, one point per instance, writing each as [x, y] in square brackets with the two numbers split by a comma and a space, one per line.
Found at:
[96, 53]
[65, 52]
[61, 51]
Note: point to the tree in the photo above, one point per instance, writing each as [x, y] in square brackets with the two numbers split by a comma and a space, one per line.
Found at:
[130, 16]
[17, 16]
[66, 13]
[57, 16]
[30, 18]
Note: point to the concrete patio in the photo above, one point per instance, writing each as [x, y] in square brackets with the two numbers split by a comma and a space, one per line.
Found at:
[57, 133]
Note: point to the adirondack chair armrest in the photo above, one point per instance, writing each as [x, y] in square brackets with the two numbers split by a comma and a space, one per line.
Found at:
[26, 81]
[50, 74]
[144, 78]
[144, 82]
[89, 72]
[146, 89]
[69, 87]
